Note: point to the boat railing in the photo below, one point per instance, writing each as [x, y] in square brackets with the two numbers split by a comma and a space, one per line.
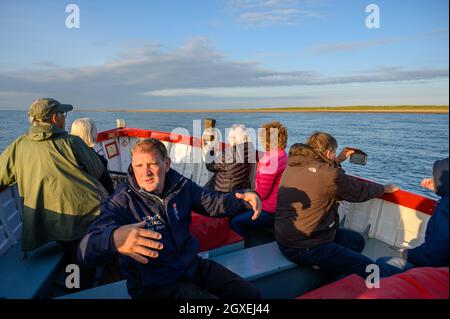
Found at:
[10, 218]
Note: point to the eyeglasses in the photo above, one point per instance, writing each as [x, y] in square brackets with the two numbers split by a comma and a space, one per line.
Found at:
[64, 113]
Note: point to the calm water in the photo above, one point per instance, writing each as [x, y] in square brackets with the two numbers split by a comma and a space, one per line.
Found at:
[401, 147]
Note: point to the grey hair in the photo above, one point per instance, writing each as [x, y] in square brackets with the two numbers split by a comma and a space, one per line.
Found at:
[238, 134]
[86, 129]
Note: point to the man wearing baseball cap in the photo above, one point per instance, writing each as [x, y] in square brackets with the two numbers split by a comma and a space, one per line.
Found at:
[57, 176]
[46, 109]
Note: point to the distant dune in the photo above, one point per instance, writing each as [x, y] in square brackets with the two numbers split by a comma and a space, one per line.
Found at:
[345, 109]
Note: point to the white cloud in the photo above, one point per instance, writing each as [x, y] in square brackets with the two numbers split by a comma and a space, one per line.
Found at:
[223, 92]
[153, 76]
[274, 17]
[442, 31]
[350, 46]
[358, 45]
[263, 13]
[46, 64]
[261, 3]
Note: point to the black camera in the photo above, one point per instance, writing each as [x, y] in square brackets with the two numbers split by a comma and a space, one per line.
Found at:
[359, 157]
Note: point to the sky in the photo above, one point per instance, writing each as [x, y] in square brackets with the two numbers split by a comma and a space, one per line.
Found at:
[184, 54]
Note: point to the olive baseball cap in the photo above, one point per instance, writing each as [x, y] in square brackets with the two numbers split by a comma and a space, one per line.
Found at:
[43, 109]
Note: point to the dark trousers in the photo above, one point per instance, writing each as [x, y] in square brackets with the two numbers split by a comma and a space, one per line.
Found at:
[87, 274]
[340, 257]
[210, 281]
[255, 232]
[242, 223]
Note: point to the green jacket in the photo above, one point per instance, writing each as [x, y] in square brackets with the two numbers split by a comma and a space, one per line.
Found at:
[57, 178]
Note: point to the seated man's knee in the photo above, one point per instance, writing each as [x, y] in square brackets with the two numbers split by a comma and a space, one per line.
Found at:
[357, 241]
[360, 243]
[350, 239]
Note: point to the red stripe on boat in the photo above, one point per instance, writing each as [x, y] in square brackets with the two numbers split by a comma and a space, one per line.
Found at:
[417, 202]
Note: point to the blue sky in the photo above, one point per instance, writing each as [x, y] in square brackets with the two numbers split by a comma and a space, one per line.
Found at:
[224, 54]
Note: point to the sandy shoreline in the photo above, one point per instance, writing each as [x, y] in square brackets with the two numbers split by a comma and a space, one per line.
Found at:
[418, 111]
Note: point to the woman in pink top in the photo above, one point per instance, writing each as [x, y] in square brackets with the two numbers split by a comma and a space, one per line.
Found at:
[268, 175]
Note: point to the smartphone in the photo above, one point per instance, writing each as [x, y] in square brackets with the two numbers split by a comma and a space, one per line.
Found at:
[359, 157]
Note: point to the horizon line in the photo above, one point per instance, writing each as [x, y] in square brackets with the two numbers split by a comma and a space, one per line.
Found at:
[304, 109]
[300, 109]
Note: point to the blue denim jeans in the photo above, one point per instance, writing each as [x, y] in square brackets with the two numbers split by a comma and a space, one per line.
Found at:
[392, 265]
[340, 257]
[243, 222]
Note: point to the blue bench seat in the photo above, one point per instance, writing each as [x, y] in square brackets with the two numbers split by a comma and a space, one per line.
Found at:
[273, 274]
[115, 290]
[30, 277]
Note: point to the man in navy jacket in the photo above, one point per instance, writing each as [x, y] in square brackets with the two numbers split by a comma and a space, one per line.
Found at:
[146, 222]
[434, 251]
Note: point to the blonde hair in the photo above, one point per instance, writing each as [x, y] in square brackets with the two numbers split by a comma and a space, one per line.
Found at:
[86, 129]
[238, 134]
[150, 145]
[273, 135]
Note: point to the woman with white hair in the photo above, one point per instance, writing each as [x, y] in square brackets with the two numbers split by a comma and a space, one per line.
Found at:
[85, 129]
[233, 166]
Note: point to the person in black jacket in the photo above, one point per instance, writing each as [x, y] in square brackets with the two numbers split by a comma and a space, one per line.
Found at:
[85, 128]
[232, 167]
[147, 222]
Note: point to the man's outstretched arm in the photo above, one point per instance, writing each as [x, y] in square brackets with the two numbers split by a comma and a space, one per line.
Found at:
[210, 203]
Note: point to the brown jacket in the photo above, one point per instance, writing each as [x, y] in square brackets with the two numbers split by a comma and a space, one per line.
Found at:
[308, 196]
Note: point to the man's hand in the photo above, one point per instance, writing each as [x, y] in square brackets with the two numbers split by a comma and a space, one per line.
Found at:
[344, 154]
[390, 188]
[429, 184]
[253, 199]
[133, 241]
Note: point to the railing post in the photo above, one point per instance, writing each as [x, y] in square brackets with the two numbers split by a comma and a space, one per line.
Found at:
[120, 123]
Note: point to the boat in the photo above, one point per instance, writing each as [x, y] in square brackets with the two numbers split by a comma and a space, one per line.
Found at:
[389, 224]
